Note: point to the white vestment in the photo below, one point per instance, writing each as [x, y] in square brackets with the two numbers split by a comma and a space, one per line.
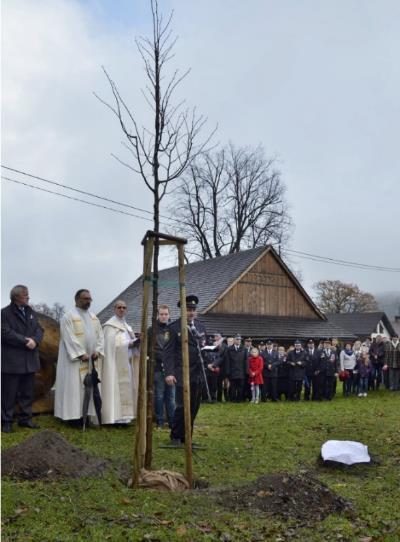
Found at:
[80, 333]
[117, 389]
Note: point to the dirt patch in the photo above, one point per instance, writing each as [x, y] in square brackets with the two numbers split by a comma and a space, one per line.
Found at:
[48, 455]
[300, 497]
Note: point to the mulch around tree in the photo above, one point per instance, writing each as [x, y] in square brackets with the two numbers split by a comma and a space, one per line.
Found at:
[49, 455]
[292, 496]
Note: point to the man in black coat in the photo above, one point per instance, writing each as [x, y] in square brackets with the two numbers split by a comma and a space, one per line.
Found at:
[297, 370]
[236, 367]
[173, 364]
[377, 354]
[311, 357]
[20, 338]
[327, 367]
[270, 373]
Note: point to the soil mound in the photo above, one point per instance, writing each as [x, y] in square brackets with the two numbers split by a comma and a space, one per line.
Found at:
[299, 497]
[48, 455]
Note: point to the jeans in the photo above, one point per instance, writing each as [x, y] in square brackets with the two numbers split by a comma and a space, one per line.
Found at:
[163, 394]
[363, 384]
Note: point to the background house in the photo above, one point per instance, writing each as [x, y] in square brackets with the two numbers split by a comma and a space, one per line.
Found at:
[251, 292]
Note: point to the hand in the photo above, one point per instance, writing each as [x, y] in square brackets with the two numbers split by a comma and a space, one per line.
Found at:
[170, 380]
[270, 367]
[84, 357]
[31, 344]
[95, 356]
[210, 366]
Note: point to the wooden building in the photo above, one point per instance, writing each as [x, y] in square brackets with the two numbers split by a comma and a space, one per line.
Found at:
[252, 292]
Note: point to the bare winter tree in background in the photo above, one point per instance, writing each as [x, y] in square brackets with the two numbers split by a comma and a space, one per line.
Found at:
[162, 152]
[230, 200]
[57, 311]
[334, 296]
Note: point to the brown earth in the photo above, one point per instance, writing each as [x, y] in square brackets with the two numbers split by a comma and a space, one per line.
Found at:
[293, 496]
[48, 455]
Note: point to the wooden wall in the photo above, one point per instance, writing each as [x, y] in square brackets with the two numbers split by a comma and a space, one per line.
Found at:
[266, 289]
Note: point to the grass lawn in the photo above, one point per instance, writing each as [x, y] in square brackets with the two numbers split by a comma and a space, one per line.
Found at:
[243, 442]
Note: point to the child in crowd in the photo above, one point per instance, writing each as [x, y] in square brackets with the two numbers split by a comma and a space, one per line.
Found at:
[256, 365]
[364, 368]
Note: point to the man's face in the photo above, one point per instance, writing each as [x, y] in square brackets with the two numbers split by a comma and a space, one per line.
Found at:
[84, 300]
[22, 299]
[236, 342]
[311, 345]
[191, 314]
[379, 338]
[229, 341]
[327, 345]
[247, 344]
[120, 309]
[163, 315]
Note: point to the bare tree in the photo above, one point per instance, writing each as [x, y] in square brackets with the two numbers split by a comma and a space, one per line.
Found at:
[56, 311]
[232, 199]
[160, 153]
[334, 296]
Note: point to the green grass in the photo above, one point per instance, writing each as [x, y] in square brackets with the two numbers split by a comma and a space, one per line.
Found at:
[243, 442]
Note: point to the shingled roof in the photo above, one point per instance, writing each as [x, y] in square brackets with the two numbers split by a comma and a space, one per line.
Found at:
[207, 278]
[273, 327]
[361, 324]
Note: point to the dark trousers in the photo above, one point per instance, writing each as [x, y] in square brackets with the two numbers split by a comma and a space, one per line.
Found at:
[178, 426]
[295, 389]
[222, 389]
[307, 387]
[283, 387]
[212, 381]
[236, 390]
[16, 388]
[376, 375]
[348, 384]
[330, 384]
[269, 389]
[318, 387]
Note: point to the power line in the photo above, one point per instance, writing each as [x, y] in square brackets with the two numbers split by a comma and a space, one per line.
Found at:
[76, 199]
[82, 191]
[299, 254]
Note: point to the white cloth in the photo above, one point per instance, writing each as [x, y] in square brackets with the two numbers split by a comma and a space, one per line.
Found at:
[345, 451]
[117, 389]
[80, 333]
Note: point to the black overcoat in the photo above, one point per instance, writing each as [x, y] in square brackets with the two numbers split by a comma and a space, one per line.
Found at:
[16, 357]
[236, 362]
[297, 365]
[173, 352]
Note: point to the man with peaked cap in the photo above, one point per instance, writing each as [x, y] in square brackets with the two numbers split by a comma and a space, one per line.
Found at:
[311, 361]
[297, 369]
[236, 369]
[173, 364]
[270, 372]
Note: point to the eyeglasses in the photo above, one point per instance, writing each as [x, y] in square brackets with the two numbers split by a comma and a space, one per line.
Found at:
[121, 308]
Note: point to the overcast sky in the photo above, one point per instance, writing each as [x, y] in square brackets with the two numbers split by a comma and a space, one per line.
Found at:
[316, 83]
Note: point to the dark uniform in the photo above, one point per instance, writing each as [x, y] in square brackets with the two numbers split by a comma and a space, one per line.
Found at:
[270, 374]
[297, 370]
[173, 366]
[311, 354]
[236, 367]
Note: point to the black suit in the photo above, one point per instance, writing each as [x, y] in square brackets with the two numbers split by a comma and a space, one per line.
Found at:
[173, 366]
[236, 368]
[270, 375]
[18, 362]
[311, 363]
[297, 371]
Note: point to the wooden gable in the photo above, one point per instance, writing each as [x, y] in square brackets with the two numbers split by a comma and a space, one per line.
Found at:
[266, 288]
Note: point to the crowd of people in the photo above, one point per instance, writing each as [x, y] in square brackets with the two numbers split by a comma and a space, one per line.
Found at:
[221, 369]
[267, 371]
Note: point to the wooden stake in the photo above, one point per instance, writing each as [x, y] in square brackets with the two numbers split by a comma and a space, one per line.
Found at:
[140, 436]
[185, 368]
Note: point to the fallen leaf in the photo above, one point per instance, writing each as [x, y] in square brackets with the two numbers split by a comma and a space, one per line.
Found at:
[181, 530]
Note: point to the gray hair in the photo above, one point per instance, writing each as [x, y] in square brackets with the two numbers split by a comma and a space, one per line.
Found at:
[17, 290]
[118, 302]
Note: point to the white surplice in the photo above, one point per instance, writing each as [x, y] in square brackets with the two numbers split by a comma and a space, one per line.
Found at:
[80, 333]
[117, 389]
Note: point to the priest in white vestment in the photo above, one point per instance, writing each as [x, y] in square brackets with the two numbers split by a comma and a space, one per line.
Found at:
[81, 341]
[118, 390]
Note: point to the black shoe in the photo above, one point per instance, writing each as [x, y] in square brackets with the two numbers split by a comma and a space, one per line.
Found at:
[29, 424]
[6, 428]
